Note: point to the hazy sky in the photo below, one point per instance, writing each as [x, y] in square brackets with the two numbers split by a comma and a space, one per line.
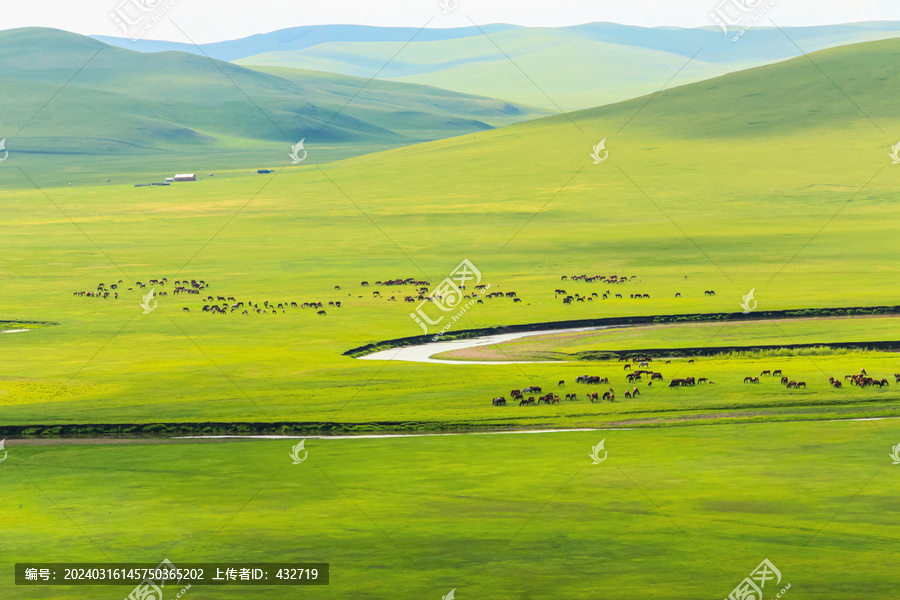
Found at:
[215, 20]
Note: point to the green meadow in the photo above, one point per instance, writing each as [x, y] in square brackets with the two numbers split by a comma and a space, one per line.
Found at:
[805, 216]
[673, 513]
[775, 179]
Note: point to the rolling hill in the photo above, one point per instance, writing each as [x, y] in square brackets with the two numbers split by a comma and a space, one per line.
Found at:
[299, 38]
[571, 67]
[103, 100]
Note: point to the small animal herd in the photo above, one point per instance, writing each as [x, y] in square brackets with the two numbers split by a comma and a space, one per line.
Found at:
[550, 398]
[103, 291]
[860, 379]
[608, 279]
[522, 396]
[267, 307]
[422, 293]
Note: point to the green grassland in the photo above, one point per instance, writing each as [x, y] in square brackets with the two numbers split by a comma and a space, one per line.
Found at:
[682, 513]
[768, 179]
[771, 179]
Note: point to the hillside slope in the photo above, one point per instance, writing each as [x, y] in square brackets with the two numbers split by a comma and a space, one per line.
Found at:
[127, 102]
[571, 67]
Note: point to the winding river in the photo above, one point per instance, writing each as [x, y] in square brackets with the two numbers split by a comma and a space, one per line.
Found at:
[422, 353]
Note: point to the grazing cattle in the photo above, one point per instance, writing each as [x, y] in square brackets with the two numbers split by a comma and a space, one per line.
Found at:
[776, 372]
[499, 401]
[628, 394]
[618, 295]
[562, 383]
[678, 294]
[593, 397]
[532, 390]
[703, 380]
[364, 283]
[515, 393]
[784, 381]
[710, 292]
[635, 393]
[751, 379]
[800, 384]
[517, 300]
[555, 399]
[656, 376]
[186, 309]
[645, 364]
[322, 313]
[766, 372]
[627, 367]
[791, 384]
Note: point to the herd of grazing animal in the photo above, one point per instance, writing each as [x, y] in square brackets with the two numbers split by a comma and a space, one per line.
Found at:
[103, 291]
[230, 305]
[610, 279]
[523, 397]
[860, 379]
[422, 292]
[215, 305]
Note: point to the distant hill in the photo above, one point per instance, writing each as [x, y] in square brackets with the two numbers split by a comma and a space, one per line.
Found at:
[125, 102]
[300, 38]
[570, 67]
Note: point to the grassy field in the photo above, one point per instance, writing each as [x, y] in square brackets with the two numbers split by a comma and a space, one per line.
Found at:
[801, 233]
[670, 513]
[769, 179]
